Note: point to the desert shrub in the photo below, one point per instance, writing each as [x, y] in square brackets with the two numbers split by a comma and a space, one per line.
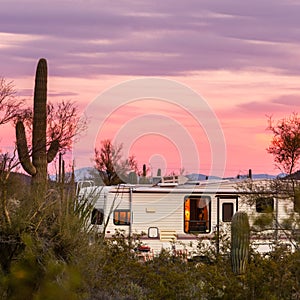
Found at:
[57, 260]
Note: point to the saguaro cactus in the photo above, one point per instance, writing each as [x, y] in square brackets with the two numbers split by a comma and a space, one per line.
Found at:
[144, 170]
[159, 172]
[37, 167]
[143, 179]
[240, 238]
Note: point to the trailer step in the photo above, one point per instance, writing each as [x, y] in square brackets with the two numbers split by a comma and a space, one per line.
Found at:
[168, 235]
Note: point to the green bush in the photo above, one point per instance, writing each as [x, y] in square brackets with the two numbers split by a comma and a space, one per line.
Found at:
[58, 261]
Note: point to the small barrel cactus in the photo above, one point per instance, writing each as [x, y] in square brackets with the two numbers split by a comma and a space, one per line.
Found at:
[240, 239]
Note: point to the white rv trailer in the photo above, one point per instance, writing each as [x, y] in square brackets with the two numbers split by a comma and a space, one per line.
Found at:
[173, 216]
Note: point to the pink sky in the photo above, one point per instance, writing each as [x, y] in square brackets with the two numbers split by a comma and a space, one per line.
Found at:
[241, 58]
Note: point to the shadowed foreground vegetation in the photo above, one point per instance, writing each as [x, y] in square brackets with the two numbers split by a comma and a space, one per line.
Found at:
[47, 253]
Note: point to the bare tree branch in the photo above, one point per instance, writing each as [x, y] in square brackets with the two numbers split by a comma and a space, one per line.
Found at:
[9, 104]
[110, 165]
[64, 124]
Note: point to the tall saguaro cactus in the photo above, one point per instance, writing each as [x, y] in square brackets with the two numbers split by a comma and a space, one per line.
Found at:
[37, 167]
[240, 239]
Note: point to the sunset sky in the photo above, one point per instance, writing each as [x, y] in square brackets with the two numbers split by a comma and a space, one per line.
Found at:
[242, 59]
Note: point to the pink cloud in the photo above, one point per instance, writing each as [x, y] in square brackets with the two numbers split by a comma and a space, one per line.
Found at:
[241, 56]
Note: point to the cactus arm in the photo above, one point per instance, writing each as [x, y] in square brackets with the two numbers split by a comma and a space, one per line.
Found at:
[22, 149]
[52, 151]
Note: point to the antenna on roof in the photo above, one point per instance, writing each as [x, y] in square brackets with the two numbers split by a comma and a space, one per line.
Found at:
[250, 174]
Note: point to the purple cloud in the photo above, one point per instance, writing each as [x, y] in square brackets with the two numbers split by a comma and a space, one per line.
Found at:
[29, 93]
[288, 100]
[88, 38]
[284, 104]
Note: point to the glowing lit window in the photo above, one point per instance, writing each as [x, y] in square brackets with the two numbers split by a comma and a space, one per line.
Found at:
[197, 214]
[97, 216]
[122, 217]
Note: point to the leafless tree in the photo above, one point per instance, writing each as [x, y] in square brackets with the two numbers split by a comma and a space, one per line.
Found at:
[111, 166]
[64, 124]
[8, 162]
[9, 110]
[9, 104]
[285, 145]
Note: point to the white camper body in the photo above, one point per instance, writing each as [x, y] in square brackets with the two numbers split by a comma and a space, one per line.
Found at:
[176, 217]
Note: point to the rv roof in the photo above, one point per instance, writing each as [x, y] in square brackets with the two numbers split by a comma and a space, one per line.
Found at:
[207, 186]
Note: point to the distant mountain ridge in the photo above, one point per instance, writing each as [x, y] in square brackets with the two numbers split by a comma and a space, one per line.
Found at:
[89, 173]
[197, 177]
[86, 173]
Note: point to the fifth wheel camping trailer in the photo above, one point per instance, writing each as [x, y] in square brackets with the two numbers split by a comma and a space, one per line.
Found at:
[178, 216]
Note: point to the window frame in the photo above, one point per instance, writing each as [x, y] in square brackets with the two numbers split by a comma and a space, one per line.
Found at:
[198, 222]
[263, 206]
[94, 217]
[223, 210]
[121, 221]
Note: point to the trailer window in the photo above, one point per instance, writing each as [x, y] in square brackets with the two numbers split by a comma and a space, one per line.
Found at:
[227, 212]
[122, 217]
[197, 214]
[264, 204]
[97, 216]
